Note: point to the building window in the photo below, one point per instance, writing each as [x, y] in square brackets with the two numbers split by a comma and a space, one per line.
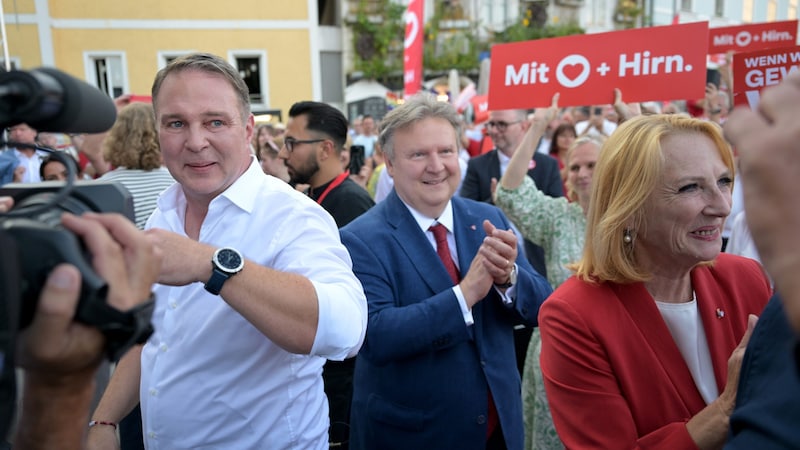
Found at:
[772, 10]
[252, 66]
[167, 57]
[328, 12]
[686, 5]
[747, 11]
[791, 14]
[12, 62]
[719, 8]
[107, 72]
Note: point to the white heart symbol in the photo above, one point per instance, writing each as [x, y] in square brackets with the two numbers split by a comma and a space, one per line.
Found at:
[572, 60]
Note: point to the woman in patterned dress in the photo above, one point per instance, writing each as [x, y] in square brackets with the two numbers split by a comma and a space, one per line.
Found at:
[557, 224]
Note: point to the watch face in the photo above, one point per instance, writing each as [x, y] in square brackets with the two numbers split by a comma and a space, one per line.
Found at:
[229, 259]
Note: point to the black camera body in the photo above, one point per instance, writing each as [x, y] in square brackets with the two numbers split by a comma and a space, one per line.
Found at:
[42, 243]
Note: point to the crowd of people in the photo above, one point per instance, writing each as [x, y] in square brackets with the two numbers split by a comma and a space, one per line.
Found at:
[571, 285]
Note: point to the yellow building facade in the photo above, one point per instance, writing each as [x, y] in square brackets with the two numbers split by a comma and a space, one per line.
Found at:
[279, 46]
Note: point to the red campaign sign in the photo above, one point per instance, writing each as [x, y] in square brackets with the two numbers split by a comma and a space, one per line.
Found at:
[656, 63]
[412, 48]
[480, 108]
[752, 37]
[754, 71]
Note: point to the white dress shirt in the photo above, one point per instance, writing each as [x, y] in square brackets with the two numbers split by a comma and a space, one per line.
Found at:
[31, 165]
[210, 379]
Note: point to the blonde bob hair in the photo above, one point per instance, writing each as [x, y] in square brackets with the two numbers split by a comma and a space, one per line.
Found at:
[628, 170]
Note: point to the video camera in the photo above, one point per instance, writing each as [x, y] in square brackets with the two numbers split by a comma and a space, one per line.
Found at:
[50, 100]
[42, 243]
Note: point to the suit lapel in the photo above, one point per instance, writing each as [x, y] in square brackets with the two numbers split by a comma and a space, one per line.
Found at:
[719, 332]
[494, 166]
[468, 231]
[411, 239]
[647, 318]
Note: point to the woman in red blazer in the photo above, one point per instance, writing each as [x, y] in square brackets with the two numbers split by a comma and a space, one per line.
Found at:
[642, 347]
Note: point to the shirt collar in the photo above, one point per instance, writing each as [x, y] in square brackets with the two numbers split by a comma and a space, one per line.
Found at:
[240, 193]
[425, 222]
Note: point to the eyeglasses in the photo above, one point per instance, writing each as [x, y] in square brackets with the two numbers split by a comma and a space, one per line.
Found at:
[289, 143]
[500, 125]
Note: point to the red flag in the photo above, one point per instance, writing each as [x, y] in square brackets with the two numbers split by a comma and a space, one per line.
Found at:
[412, 48]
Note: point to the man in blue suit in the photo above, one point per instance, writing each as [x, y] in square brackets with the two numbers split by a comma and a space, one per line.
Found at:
[437, 369]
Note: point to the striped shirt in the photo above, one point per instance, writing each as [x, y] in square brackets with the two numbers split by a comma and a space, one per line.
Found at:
[145, 187]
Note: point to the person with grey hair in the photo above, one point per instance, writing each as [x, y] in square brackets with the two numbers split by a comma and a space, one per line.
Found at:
[243, 322]
[445, 285]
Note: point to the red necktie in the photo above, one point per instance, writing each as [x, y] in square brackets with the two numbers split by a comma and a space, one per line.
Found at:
[443, 250]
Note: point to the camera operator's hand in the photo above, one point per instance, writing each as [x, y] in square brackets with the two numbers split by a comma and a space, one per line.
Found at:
[123, 255]
[60, 357]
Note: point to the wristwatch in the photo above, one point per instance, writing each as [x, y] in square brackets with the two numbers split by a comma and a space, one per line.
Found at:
[225, 263]
[512, 279]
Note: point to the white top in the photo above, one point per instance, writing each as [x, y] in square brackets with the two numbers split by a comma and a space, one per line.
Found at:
[368, 142]
[608, 128]
[384, 186]
[741, 241]
[144, 186]
[210, 379]
[31, 165]
[737, 206]
[686, 327]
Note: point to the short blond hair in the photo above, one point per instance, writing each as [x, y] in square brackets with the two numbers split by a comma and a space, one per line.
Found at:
[571, 194]
[628, 169]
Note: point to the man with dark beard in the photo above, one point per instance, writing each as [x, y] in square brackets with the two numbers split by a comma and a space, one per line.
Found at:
[315, 136]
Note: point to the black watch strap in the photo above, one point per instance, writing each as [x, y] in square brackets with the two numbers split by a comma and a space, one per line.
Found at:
[218, 278]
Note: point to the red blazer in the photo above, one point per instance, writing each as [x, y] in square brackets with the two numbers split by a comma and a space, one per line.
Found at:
[613, 375]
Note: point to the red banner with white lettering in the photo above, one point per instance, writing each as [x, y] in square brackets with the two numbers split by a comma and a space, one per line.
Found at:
[752, 37]
[656, 63]
[412, 48]
[754, 71]
[480, 107]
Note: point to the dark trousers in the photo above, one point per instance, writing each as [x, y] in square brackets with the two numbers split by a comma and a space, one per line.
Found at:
[496, 441]
[338, 378]
[130, 431]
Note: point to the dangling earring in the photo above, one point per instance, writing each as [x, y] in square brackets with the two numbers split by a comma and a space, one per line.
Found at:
[627, 238]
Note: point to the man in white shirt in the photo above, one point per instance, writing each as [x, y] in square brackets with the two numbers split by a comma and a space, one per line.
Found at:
[596, 125]
[28, 158]
[368, 135]
[256, 288]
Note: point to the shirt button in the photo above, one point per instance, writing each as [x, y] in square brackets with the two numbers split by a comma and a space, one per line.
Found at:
[153, 392]
[481, 419]
[173, 305]
[483, 363]
[151, 434]
[163, 347]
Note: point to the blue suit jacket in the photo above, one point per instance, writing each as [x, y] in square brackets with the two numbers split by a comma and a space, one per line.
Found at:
[422, 376]
[767, 414]
[8, 162]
